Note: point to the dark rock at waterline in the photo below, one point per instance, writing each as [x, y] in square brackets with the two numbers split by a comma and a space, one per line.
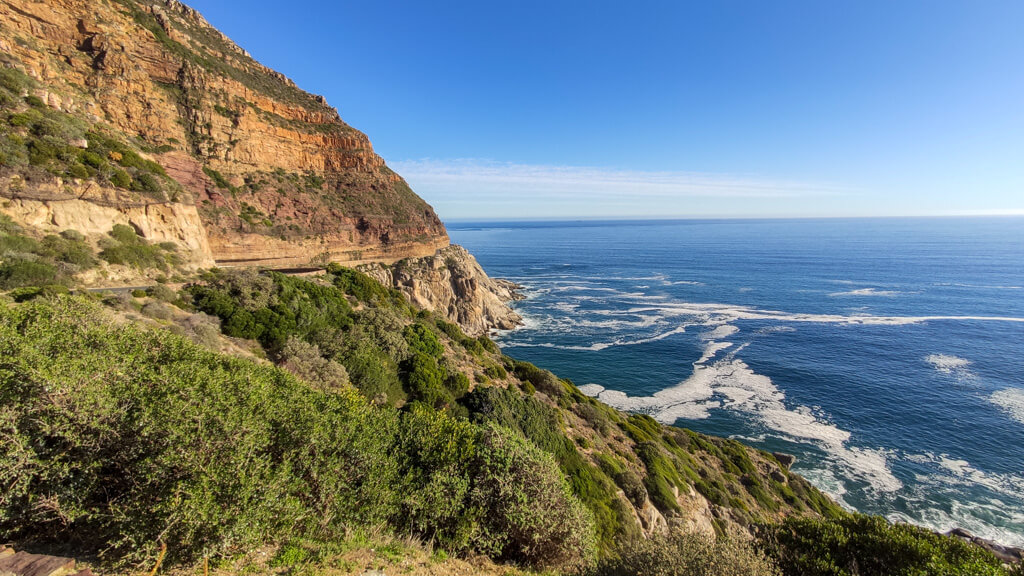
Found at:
[786, 460]
[1004, 553]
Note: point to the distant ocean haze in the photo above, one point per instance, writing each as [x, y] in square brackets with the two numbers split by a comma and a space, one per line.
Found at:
[884, 353]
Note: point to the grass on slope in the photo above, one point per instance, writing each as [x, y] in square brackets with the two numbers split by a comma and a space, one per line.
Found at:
[36, 140]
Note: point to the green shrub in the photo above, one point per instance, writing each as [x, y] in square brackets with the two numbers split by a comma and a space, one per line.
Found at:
[305, 361]
[858, 545]
[121, 179]
[440, 452]
[218, 179]
[497, 372]
[162, 293]
[15, 81]
[124, 246]
[15, 273]
[425, 380]
[364, 288]
[374, 373]
[531, 514]
[540, 423]
[70, 247]
[661, 477]
[33, 292]
[542, 380]
[422, 341]
[686, 555]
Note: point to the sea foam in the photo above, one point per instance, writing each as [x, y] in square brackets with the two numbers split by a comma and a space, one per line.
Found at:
[947, 363]
[866, 292]
[720, 379]
[1011, 400]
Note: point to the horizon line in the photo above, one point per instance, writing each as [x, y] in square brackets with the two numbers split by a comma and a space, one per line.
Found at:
[994, 214]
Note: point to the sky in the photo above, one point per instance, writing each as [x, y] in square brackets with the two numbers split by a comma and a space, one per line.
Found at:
[596, 109]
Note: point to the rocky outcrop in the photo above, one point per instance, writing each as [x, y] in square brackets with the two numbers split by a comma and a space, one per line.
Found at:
[276, 176]
[451, 282]
[1006, 554]
[21, 563]
[52, 207]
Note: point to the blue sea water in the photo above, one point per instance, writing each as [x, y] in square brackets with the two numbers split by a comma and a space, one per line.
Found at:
[886, 354]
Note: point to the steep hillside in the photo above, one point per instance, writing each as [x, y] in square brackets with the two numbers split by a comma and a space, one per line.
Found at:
[139, 112]
[158, 417]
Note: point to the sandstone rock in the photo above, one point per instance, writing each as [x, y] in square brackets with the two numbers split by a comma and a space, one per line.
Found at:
[95, 59]
[451, 282]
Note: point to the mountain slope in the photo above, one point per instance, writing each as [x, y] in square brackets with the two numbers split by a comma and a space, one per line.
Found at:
[272, 173]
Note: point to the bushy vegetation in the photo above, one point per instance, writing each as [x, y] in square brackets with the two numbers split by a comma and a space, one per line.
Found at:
[541, 424]
[682, 554]
[36, 138]
[124, 246]
[119, 437]
[389, 352]
[858, 545]
[53, 260]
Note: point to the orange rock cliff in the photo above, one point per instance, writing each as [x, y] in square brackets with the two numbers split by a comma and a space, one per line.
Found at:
[258, 172]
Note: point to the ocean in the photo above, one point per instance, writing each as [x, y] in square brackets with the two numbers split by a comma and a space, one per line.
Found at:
[887, 355]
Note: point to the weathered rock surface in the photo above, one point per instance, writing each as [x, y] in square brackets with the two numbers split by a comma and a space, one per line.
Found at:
[92, 210]
[22, 563]
[451, 282]
[275, 175]
[1004, 553]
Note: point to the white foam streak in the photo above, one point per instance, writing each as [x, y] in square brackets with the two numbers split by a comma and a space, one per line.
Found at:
[598, 346]
[730, 313]
[950, 475]
[1011, 400]
[741, 389]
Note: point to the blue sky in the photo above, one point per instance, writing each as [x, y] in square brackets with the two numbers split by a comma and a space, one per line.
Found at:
[658, 109]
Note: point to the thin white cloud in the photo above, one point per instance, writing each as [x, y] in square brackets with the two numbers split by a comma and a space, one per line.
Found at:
[483, 188]
[501, 176]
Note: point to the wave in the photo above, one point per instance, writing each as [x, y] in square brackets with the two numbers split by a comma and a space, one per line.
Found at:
[935, 505]
[866, 292]
[965, 515]
[1011, 400]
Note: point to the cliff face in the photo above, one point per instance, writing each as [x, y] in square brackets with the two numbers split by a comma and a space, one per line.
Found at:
[451, 282]
[273, 173]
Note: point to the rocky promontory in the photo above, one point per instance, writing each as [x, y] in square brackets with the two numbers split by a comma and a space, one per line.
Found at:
[451, 282]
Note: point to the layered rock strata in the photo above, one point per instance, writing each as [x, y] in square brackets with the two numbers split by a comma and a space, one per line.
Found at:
[275, 176]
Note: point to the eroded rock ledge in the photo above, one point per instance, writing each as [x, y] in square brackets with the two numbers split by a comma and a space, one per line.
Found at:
[452, 282]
